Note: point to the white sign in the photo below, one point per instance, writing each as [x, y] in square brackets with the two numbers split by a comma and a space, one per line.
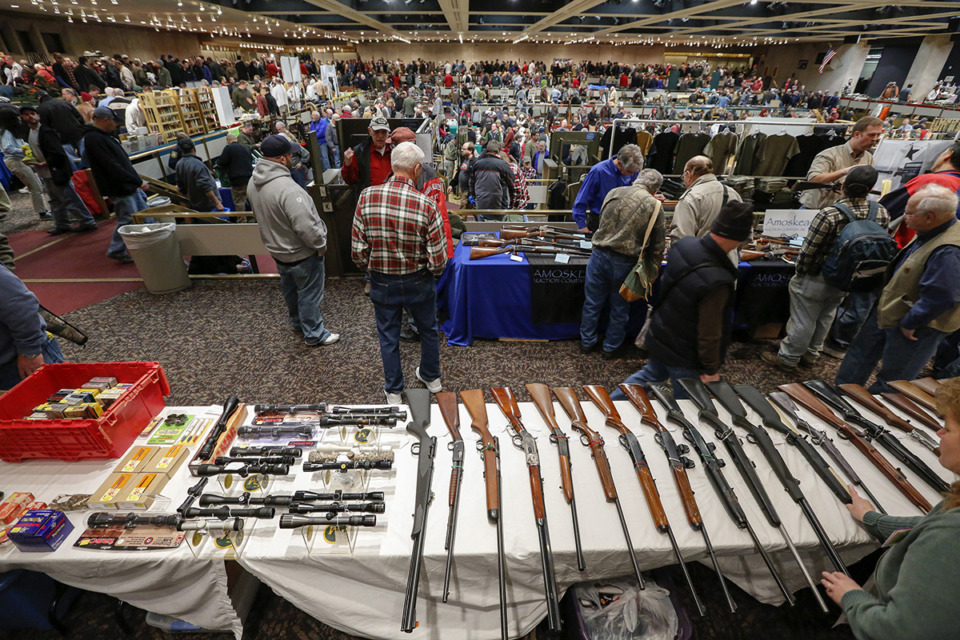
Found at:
[787, 223]
[290, 68]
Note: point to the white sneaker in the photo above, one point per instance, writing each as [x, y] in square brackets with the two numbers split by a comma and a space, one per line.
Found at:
[433, 386]
[393, 398]
[332, 338]
[24, 190]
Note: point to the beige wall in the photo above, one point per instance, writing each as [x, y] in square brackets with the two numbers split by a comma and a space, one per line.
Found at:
[523, 51]
[933, 53]
[846, 64]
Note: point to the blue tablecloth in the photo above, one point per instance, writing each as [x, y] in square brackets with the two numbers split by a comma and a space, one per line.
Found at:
[5, 174]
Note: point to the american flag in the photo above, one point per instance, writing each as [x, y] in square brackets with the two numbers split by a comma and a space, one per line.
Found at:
[828, 56]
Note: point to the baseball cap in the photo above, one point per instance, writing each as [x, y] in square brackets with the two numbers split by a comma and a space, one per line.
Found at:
[379, 124]
[104, 113]
[275, 146]
[26, 108]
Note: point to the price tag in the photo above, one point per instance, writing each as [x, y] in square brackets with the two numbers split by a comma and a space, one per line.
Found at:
[516, 257]
[586, 244]
[562, 258]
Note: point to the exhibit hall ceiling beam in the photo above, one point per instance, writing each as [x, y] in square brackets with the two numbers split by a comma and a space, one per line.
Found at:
[335, 7]
[706, 7]
[457, 13]
[575, 8]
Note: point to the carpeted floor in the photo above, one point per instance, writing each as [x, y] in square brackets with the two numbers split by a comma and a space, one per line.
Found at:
[231, 337]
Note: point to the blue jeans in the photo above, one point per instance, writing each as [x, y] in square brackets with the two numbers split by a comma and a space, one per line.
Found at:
[328, 149]
[66, 203]
[606, 271]
[903, 359]
[123, 208]
[851, 315]
[302, 285]
[655, 371]
[10, 375]
[299, 176]
[417, 293]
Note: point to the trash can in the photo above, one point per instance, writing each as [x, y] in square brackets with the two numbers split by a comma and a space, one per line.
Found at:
[156, 253]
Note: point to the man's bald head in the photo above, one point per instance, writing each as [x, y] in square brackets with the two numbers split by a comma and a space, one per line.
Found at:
[698, 166]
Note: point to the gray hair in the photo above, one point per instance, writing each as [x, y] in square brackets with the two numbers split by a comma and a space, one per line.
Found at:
[231, 137]
[405, 156]
[631, 157]
[936, 199]
[651, 179]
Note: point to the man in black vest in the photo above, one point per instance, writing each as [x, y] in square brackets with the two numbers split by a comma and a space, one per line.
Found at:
[690, 328]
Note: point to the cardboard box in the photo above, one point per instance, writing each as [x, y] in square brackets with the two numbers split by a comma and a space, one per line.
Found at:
[13, 506]
[167, 460]
[142, 493]
[137, 460]
[4, 540]
[108, 494]
[40, 530]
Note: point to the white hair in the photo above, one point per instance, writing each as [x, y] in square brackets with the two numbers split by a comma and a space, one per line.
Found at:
[651, 179]
[405, 156]
[936, 199]
[631, 157]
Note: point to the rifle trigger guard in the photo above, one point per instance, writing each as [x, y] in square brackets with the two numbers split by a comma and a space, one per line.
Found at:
[450, 446]
[584, 440]
[658, 438]
[517, 440]
[622, 439]
[843, 435]
[751, 439]
[415, 448]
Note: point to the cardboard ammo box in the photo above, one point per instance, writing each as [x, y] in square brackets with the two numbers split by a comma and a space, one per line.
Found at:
[167, 460]
[143, 492]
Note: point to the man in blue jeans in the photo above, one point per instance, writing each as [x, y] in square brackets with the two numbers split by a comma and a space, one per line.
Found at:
[398, 239]
[24, 342]
[690, 327]
[920, 302]
[115, 176]
[625, 231]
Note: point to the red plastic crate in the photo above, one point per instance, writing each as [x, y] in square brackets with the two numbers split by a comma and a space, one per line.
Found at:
[108, 436]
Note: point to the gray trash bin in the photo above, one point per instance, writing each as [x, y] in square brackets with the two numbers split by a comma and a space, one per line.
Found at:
[156, 252]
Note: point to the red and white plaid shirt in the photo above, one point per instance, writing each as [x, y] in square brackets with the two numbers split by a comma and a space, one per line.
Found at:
[522, 196]
[397, 230]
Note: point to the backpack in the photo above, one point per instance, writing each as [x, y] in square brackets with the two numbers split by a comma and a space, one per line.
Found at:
[862, 253]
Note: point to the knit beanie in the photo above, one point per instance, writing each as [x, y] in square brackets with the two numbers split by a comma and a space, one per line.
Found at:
[734, 222]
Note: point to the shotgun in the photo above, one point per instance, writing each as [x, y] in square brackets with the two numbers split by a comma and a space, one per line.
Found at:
[877, 434]
[727, 397]
[485, 252]
[712, 465]
[867, 400]
[524, 441]
[916, 394]
[545, 228]
[489, 449]
[820, 439]
[513, 234]
[494, 242]
[723, 432]
[567, 396]
[426, 450]
[907, 405]
[771, 420]
[678, 465]
[447, 401]
[541, 397]
[806, 398]
[628, 440]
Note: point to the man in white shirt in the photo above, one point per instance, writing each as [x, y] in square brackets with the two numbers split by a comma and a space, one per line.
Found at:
[280, 95]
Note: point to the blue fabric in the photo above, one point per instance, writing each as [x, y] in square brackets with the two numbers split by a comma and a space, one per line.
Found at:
[601, 179]
[302, 286]
[655, 371]
[939, 284]
[124, 207]
[5, 174]
[320, 129]
[9, 373]
[22, 330]
[391, 294]
[606, 271]
[226, 198]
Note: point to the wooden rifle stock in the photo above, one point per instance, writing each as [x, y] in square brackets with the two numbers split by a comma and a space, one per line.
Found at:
[578, 421]
[513, 234]
[540, 393]
[916, 394]
[507, 402]
[473, 401]
[927, 385]
[909, 406]
[477, 253]
[447, 401]
[866, 399]
[638, 397]
[806, 398]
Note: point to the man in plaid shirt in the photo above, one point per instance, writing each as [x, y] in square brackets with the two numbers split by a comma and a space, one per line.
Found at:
[398, 240]
[813, 302]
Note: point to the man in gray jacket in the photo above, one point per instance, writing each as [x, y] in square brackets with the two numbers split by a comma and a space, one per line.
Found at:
[295, 236]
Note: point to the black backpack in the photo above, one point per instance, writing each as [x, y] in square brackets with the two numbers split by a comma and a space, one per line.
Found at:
[862, 253]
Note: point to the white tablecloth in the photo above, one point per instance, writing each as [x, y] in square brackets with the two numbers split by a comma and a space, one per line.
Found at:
[362, 592]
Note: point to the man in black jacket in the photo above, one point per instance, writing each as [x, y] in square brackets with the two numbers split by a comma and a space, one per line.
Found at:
[86, 76]
[237, 162]
[62, 116]
[690, 326]
[53, 165]
[115, 176]
[491, 181]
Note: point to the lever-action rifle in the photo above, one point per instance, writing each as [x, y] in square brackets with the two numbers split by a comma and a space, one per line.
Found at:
[678, 465]
[628, 440]
[915, 393]
[485, 252]
[512, 234]
[447, 401]
[489, 449]
[727, 397]
[805, 397]
[877, 433]
[426, 450]
[712, 465]
[541, 397]
[590, 438]
[907, 405]
[866, 399]
[524, 441]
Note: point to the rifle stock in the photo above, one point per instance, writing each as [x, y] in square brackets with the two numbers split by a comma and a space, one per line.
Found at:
[473, 401]
[477, 253]
[929, 386]
[916, 394]
[909, 406]
[447, 401]
[866, 399]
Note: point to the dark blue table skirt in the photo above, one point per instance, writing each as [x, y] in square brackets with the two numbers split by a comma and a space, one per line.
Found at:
[5, 174]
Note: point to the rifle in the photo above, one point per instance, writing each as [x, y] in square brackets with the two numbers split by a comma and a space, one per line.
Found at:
[907, 405]
[540, 393]
[712, 466]
[426, 449]
[524, 441]
[230, 407]
[447, 401]
[916, 394]
[877, 434]
[567, 397]
[929, 386]
[513, 234]
[489, 449]
[823, 441]
[806, 398]
[628, 440]
[485, 252]
[546, 228]
[866, 399]
[678, 465]
[771, 420]
[727, 397]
